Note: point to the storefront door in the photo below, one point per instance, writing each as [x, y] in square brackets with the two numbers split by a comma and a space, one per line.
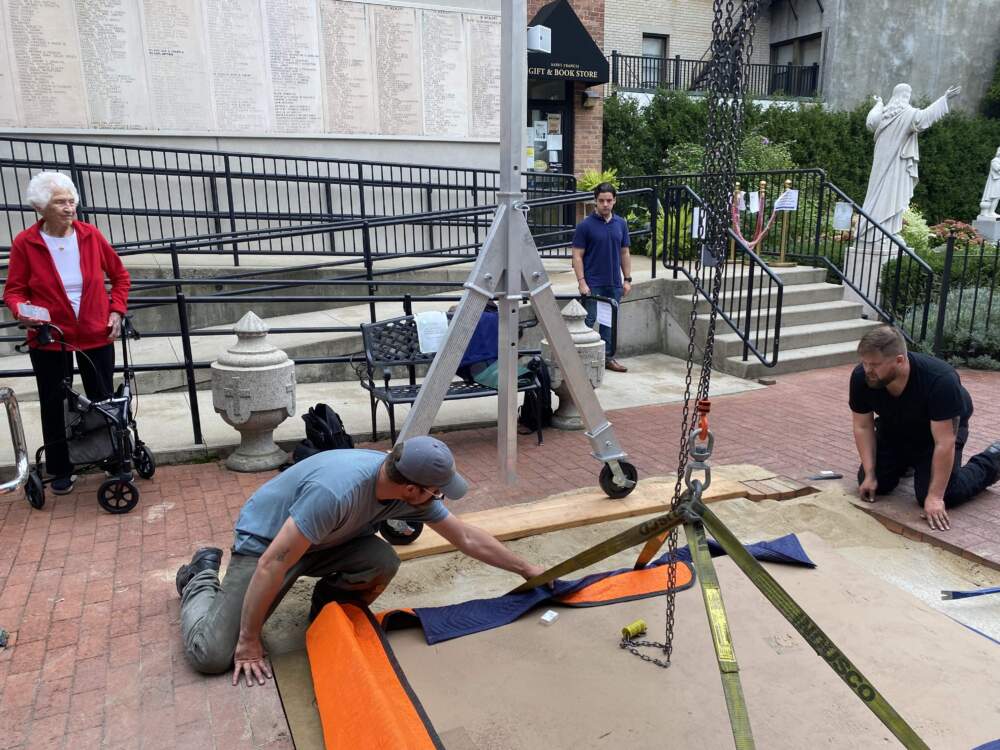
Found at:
[550, 117]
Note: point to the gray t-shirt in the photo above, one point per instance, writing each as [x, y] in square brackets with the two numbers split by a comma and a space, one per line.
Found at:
[331, 498]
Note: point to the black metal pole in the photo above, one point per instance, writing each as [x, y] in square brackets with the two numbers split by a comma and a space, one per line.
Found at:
[367, 247]
[653, 216]
[182, 317]
[949, 255]
[232, 212]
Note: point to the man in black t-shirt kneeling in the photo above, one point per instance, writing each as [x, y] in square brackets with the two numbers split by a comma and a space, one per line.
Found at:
[923, 423]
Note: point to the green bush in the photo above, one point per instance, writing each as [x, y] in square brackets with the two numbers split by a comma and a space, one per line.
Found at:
[590, 179]
[915, 232]
[968, 270]
[954, 154]
[971, 336]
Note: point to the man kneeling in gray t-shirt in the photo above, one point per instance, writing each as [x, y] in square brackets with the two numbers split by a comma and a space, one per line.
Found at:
[318, 519]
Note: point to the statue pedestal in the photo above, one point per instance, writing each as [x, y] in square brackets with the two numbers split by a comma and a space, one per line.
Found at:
[863, 264]
[989, 228]
[590, 348]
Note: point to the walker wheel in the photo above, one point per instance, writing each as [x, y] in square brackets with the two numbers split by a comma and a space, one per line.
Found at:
[34, 491]
[118, 496]
[607, 480]
[145, 464]
[396, 538]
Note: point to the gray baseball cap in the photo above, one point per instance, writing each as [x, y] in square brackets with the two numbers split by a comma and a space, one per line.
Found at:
[428, 462]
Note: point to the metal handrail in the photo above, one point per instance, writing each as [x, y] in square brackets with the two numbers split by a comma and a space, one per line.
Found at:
[742, 330]
[9, 401]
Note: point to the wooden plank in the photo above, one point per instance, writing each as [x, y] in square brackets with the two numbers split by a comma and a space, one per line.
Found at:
[571, 510]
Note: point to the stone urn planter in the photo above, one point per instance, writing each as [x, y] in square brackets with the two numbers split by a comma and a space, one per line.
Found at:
[590, 347]
[253, 390]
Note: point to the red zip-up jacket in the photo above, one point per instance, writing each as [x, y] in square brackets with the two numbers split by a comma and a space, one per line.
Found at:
[32, 277]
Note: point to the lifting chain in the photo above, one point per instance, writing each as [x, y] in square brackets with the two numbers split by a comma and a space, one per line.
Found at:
[634, 646]
[732, 47]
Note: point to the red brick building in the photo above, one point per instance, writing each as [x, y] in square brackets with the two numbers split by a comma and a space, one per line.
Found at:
[577, 103]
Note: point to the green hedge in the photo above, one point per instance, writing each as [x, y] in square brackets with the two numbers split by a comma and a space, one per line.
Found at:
[954, 154]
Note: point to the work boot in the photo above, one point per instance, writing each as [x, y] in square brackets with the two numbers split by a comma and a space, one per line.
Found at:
[614, 365]
[206, 558]
[993, 452]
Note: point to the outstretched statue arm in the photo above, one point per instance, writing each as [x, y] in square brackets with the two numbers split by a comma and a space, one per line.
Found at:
[874, 114]
[938, 109]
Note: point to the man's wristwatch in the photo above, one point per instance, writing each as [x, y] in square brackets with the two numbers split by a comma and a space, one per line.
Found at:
[628, 279]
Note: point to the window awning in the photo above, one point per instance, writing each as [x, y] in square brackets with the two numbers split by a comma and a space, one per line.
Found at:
[575, 56]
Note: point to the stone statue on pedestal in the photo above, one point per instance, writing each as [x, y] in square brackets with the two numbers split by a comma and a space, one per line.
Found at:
[894, 168]
[991, 193]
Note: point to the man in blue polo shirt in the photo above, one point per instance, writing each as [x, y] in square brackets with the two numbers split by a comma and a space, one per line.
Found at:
[602, 263]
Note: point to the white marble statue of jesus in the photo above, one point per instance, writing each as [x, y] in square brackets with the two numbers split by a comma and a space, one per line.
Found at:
[894, 168]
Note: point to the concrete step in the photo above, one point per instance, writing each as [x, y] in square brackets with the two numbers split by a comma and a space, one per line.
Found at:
[797, 294]
[736, 278]
[729, 344]
[820, 312]
[793, 360]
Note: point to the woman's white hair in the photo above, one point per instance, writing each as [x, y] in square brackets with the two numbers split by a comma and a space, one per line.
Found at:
[43, 184]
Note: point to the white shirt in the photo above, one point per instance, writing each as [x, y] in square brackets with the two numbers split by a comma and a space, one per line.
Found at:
[65, 252]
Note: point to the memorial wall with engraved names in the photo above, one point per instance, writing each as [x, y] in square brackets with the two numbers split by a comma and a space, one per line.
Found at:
[250, 67]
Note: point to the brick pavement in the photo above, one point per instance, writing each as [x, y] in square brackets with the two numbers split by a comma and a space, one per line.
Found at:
[95, 659]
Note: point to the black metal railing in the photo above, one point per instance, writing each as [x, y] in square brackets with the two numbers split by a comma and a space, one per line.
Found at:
[893, 281]
[137, 193]
[750, 295]
[966, 308]
[642, 73]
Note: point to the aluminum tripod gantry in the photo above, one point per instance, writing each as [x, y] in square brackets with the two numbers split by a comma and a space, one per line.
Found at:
[507, 269]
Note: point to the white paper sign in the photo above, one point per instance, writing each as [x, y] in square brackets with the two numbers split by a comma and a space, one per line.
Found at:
[432, 325]
[754, 202]
[554, 142]
[742, 204]
[697, 225]
[787, 201]
[842, 213]
[604, 314]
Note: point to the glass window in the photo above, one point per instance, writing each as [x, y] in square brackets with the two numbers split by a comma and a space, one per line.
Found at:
[654, 45]
[553, 91]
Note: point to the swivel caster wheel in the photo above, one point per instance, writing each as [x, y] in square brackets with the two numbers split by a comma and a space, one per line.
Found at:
[145, 464]
[400, 532]
[34, 491]
[118, 496]
[607, 480]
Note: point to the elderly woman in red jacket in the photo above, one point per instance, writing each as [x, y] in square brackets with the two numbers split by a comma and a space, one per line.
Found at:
[60, 264]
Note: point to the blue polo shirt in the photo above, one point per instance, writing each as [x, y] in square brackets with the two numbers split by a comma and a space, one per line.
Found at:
[602, 242]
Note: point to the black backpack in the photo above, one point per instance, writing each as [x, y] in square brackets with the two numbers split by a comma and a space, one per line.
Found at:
[537, 403]
[324, 431]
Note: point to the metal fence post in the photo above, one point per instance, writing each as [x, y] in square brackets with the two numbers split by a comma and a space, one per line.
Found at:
[677, 71]
[614, 67]
[367, 247]
[232, 212]
[81, 188]
[949, 255]
[653, 216]
[182, 317]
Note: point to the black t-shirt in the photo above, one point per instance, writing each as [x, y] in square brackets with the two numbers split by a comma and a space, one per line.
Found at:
[933, 392]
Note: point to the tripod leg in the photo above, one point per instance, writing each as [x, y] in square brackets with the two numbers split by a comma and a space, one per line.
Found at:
[729, 670]
[809, 630]
[479, 288]
[628, 538]
[604, 444]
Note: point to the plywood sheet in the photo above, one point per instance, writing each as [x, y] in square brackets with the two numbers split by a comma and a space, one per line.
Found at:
[569, 685]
